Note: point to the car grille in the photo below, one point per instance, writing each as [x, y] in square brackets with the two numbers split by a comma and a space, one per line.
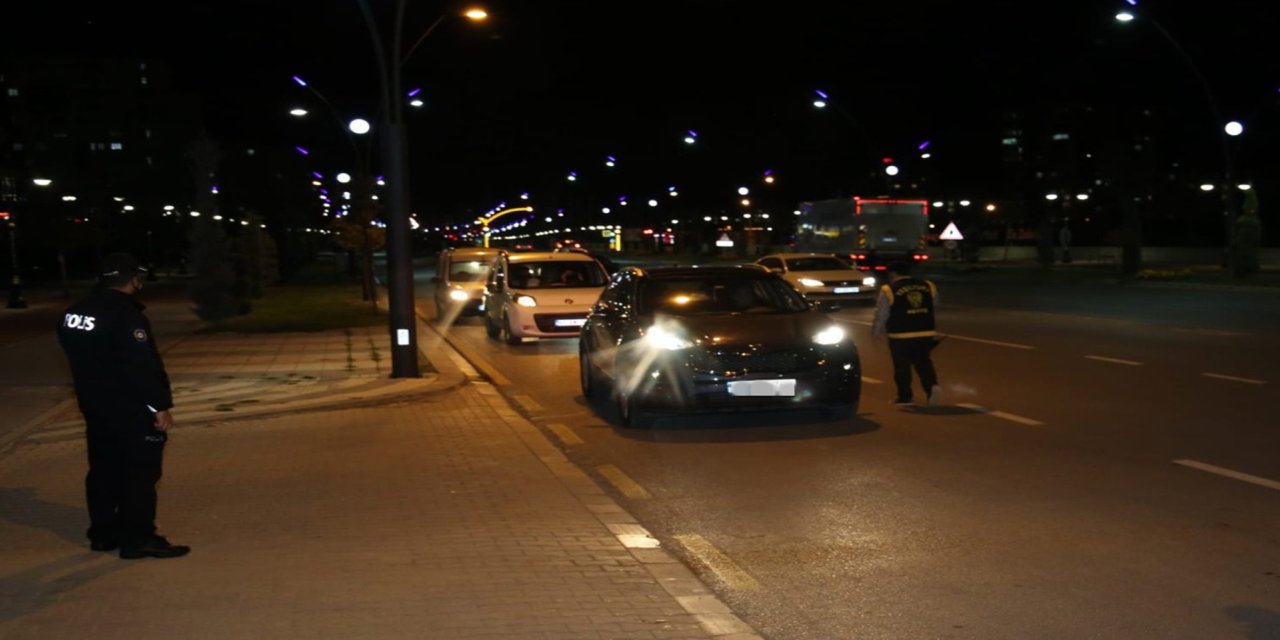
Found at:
[743, 361]
[547, 322]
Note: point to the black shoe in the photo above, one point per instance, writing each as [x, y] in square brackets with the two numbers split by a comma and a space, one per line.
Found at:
[904, 401]
[104, 544]
[155, 547]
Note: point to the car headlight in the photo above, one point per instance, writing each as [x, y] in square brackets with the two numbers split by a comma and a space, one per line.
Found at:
[831, 335]
[459, 295]
[869, 281]
[810, 282]
[526, 301]
[666, 339]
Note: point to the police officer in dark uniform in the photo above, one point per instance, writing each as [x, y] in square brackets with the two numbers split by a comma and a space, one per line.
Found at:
[905, 315]
[124, 395]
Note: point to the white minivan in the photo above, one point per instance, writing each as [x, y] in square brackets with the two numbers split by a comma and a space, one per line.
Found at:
[459, 280]
[540, 295]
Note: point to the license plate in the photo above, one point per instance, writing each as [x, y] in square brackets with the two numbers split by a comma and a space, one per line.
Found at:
[571, 322]
[785, 387]
[846, 290]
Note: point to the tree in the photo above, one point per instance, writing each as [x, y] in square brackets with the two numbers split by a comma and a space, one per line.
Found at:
[1246, 246]
[355, 232]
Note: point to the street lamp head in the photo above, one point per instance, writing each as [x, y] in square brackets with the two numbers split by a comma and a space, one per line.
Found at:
[41, 182]
[1234, 128]
[1125, 16]
[359, 126]
[297, 112]
[343, 177]
[476, 14]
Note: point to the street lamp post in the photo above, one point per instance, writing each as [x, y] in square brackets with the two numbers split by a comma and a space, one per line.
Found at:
[403, 325]
[1228, 184]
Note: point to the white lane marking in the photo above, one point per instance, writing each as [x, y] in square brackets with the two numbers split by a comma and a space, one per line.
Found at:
[1221, 376]
[529, 404]
[1133, 363]
[719, 563]
[629, 488]
[872, 380]
[1235, 475]
[1000, 414]
[1011, 345]
[565, 434]
[634, 536]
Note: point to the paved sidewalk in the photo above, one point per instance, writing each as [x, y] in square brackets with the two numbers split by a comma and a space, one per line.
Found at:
[324, 499]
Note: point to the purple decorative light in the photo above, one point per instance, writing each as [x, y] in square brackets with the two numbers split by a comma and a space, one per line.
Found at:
[300, 81]
[317, 175]
[414, 92]
[303, 151]
[821, 94]
[922, 146]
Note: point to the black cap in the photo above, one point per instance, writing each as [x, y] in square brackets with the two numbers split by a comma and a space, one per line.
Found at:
[120, 266]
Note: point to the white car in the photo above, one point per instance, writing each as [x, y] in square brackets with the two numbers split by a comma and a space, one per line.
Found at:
[540, 295]
[822, 276]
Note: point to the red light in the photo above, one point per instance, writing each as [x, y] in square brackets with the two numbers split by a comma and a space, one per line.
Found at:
[886, 160]
[4, 215]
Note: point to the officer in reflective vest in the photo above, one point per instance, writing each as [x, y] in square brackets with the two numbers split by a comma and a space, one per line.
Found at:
[905, 316]
[124, 394]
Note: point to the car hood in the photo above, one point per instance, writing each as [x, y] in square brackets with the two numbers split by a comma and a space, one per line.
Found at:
[749, 328]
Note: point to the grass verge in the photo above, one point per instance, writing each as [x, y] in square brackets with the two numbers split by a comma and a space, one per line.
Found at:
[316, 300]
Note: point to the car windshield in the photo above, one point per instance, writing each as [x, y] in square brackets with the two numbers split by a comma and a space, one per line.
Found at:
[821, 263]
[718, 294]
[557, 273]
[470, 271]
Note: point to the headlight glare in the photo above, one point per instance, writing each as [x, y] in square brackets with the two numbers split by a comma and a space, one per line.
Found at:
[526, 301]
[666, 339]
[810, 282]
[831, 335]
[869, 281]
[458, 295]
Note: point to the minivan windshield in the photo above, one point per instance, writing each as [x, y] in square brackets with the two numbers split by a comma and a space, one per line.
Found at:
[556, 274]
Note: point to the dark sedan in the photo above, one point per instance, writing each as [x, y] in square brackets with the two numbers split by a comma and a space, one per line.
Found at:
[690, 339]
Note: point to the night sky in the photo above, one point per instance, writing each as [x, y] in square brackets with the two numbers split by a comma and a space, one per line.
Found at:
[548, 86]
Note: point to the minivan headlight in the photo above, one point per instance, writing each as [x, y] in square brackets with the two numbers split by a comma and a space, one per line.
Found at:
[869, 281]
[810, 282]
[526, 301]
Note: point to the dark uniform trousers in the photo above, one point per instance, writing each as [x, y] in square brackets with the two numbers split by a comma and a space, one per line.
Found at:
[125, 458]
[912, 353]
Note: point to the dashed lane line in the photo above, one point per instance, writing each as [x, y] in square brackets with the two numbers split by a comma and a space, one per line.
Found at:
[1222, 376]
[566, 435]
[629, 488]
[1011, 345]
[1000, 414]
[1228, 473]
[530, 405]
[1132, 363]
[720, 564]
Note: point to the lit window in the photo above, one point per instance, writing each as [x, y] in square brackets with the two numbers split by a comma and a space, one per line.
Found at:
[116, 146]
[146, 133]
[1061, 136]
[17, 146]
[144, 79]
[13, 92]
